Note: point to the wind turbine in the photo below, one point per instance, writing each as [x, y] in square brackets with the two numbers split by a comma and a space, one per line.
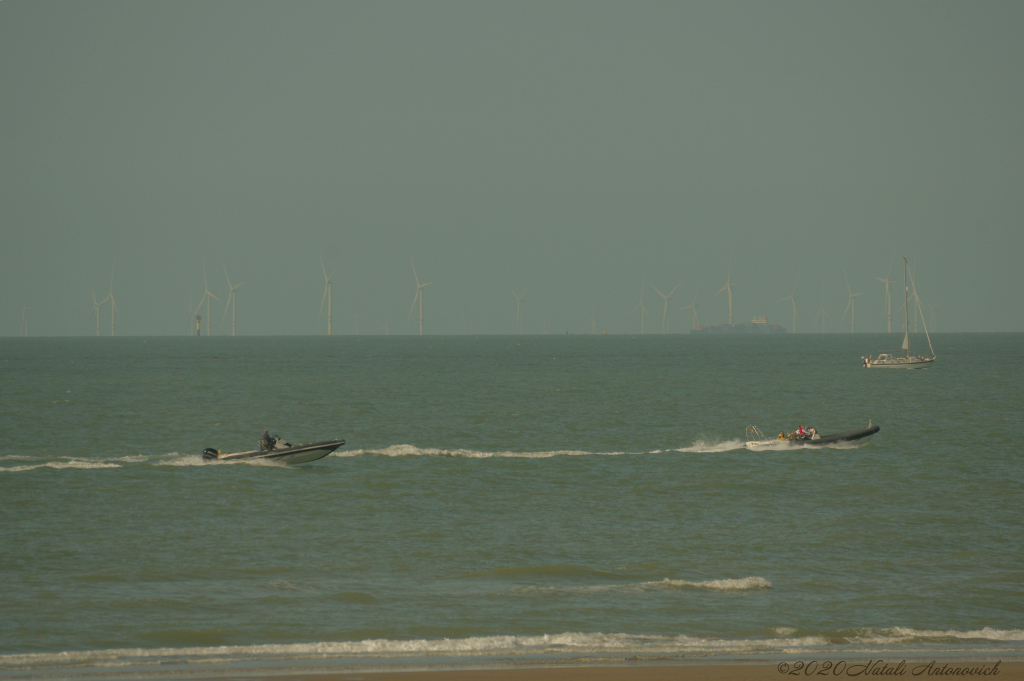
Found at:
[643, 310]
[327, 293]
[693, 307]
[190, 310]
[231, 299]
[96, 309]
[519, 308]
[851, 305]
[791, 299]
[664, 313]
[418, 296]
[728, 287]
[821, 310]
[888, 298]
[206, 296]
[110, 297]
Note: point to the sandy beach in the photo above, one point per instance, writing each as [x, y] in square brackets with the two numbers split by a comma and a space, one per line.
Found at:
[690, 672]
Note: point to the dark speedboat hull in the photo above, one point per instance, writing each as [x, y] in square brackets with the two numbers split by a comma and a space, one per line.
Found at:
[291, 454]
[842, 437]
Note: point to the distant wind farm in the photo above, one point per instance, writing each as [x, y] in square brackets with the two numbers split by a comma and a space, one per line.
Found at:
[553, 315]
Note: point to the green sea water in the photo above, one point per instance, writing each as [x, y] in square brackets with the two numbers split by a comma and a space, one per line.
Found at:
[504, 498]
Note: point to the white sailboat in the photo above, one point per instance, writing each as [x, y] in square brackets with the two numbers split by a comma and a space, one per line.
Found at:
[885, 361]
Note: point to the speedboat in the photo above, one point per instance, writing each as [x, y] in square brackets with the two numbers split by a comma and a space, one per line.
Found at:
[757, 440]
[278, 450]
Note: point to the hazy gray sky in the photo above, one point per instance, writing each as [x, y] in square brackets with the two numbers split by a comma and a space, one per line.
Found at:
[577, 148]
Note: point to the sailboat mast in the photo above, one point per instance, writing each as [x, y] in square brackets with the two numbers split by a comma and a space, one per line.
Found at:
[906, 311]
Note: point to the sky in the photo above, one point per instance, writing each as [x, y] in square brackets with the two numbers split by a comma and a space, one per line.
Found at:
[588, 153]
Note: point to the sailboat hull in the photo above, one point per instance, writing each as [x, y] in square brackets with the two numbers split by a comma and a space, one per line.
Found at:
[890, 362]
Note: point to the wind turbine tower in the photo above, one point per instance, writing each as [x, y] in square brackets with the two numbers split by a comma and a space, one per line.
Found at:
[419, 295]
[693, 307]
[327, 293]
[728, 288]
[791, 299]
[110, 297]
[851, 305]
[231, 299]
[888, 298]
[664, 312]
[96, 310]
[519, 308]
[206, 296]
[643, 310]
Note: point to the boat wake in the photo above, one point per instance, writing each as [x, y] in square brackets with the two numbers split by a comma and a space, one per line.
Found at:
[702, 446]
[412, 450]
[171, 459]
[20, 463]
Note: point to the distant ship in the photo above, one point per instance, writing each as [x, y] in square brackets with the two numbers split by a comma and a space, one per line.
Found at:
[756, 325]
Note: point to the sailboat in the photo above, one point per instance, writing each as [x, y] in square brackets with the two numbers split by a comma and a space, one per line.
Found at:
[884, 361]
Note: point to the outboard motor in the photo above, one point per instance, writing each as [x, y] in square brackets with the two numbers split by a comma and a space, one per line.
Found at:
[210, 454]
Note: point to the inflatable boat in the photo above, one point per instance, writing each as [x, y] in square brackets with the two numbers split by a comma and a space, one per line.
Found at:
[758, 440]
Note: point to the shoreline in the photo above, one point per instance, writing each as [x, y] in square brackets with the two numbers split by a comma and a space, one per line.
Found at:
[650, 669]
[728, 671]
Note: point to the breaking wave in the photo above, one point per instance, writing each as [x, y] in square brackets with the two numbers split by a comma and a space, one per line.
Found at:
[786, 641]
[744, 584]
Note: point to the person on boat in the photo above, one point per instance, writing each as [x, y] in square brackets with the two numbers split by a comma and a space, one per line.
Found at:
[782, 435]
[266, 442]
[800, 431]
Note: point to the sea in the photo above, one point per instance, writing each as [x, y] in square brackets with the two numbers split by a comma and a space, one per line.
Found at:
[504, 501]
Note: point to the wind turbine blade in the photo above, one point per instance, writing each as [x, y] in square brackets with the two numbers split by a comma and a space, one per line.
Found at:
[322, 268]
[414, 273]
[659, 292]
[674, 290]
